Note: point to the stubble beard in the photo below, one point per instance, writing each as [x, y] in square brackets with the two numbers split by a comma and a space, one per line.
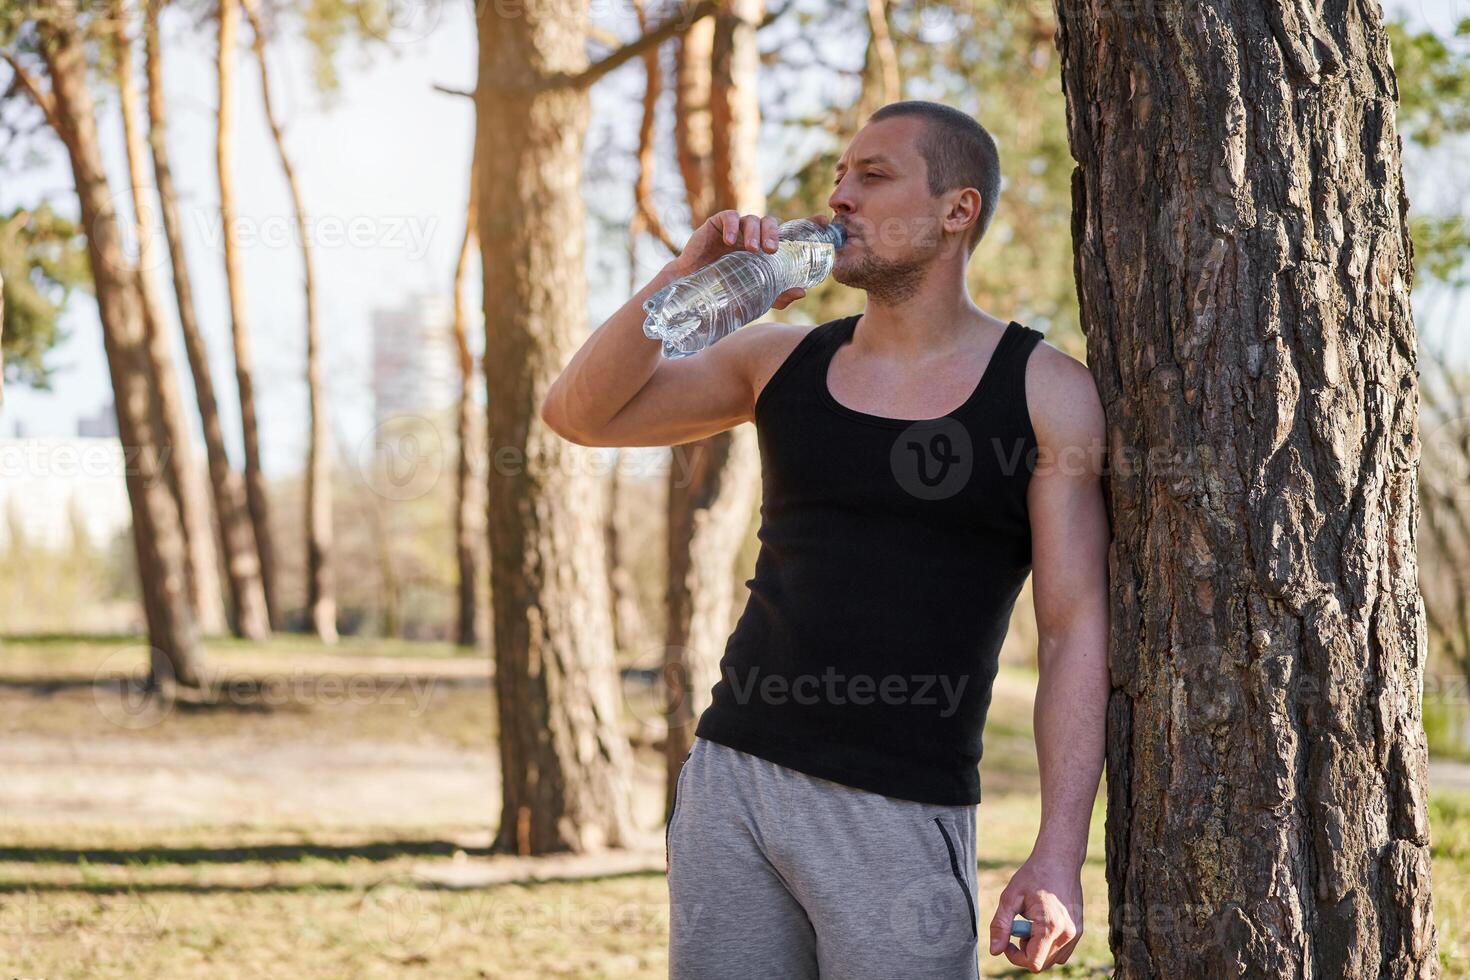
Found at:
[888, 281]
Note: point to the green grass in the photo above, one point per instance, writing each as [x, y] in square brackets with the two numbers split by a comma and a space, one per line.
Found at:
[1444, 724]
[225, 899]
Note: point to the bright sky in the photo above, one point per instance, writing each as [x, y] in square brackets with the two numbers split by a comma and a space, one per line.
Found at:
[383, 172]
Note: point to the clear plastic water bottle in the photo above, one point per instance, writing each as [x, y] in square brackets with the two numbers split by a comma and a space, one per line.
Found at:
[696, 310]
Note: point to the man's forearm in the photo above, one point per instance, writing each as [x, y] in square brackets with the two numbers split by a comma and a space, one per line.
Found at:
[611, 366]
[1070, 721]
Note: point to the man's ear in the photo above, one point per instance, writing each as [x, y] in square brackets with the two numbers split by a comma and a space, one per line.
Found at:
[964, 213]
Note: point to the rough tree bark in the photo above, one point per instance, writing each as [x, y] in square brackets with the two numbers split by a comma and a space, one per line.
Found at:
[321, 595]
[1243, 267]
[158, 536]
[256, 496]
[566, 765]
[236, 536]
[184, 478]
[712, 499]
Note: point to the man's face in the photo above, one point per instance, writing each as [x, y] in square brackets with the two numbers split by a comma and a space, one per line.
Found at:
[881, 194]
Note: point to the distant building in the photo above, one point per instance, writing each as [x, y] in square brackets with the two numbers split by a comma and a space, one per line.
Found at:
[415, 364]
[54, 490]
[102, 425]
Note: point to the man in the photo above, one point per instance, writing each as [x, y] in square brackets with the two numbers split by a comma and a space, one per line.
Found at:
[919, 461]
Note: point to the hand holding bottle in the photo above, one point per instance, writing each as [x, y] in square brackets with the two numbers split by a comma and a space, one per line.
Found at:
[735, 268]
[730, 231]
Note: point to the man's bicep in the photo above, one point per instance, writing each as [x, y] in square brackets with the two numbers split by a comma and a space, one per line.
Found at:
[688, 398]
[1069, 525]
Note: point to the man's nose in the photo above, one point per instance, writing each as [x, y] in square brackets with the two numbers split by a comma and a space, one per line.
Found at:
[840, 200]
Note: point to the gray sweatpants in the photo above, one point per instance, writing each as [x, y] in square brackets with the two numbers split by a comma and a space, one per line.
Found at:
[778, 875]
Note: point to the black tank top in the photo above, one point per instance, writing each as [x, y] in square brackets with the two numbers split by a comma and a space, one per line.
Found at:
[891, 555]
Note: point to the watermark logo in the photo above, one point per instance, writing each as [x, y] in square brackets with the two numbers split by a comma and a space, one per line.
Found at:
[402, 916]
[655, 685]
[130, 698]
[402, 458]
[135, 688]
[930, 916]
[933, 462]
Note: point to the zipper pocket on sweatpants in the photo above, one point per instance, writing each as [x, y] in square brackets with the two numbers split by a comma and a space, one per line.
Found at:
[674, 806]
[954, 866]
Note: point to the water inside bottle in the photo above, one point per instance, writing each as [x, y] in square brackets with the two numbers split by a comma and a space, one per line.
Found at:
[675, 313]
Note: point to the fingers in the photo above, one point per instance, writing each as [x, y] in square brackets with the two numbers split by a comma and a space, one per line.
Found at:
[1064, 952]
[788, 297]
[1067, 941]
[750, 231]
[1053, 935]
[770, 230]
[1043, 938]
[1000, 926]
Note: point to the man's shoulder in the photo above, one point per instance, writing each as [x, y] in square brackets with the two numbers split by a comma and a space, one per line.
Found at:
[1062, 399]
[768, 344]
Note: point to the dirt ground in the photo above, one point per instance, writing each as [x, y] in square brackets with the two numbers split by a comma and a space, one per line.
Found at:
[323, 740]
[327, 814]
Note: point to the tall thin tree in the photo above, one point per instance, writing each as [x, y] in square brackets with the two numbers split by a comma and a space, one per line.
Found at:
[236, 535]
[1243, 266]
[467, 540]
[321, 599]
[184, 478]
[62, 41]
[256, 494]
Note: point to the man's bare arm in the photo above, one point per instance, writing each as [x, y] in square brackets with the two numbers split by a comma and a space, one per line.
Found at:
[1070, 590]
[1069, 566]
[619, 390]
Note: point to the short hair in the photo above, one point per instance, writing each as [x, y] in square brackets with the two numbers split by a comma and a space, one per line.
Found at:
[958, 151]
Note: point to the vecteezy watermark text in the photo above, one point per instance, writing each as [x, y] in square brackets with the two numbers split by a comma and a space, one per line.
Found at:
[834, 687]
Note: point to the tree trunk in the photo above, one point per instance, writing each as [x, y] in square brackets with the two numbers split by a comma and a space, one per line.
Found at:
[388, 590]
[715, 483]
[466, 527]
[1243, 267]
[157, 530]
[630, 630]
[881, 84]
[184, 479]
[255, 487]
[565, 760]
[693, 140]
[321, 596]
[566, 763]
[236, 536]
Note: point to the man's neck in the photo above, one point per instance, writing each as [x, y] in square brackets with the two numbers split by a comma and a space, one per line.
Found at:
[939, 318]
